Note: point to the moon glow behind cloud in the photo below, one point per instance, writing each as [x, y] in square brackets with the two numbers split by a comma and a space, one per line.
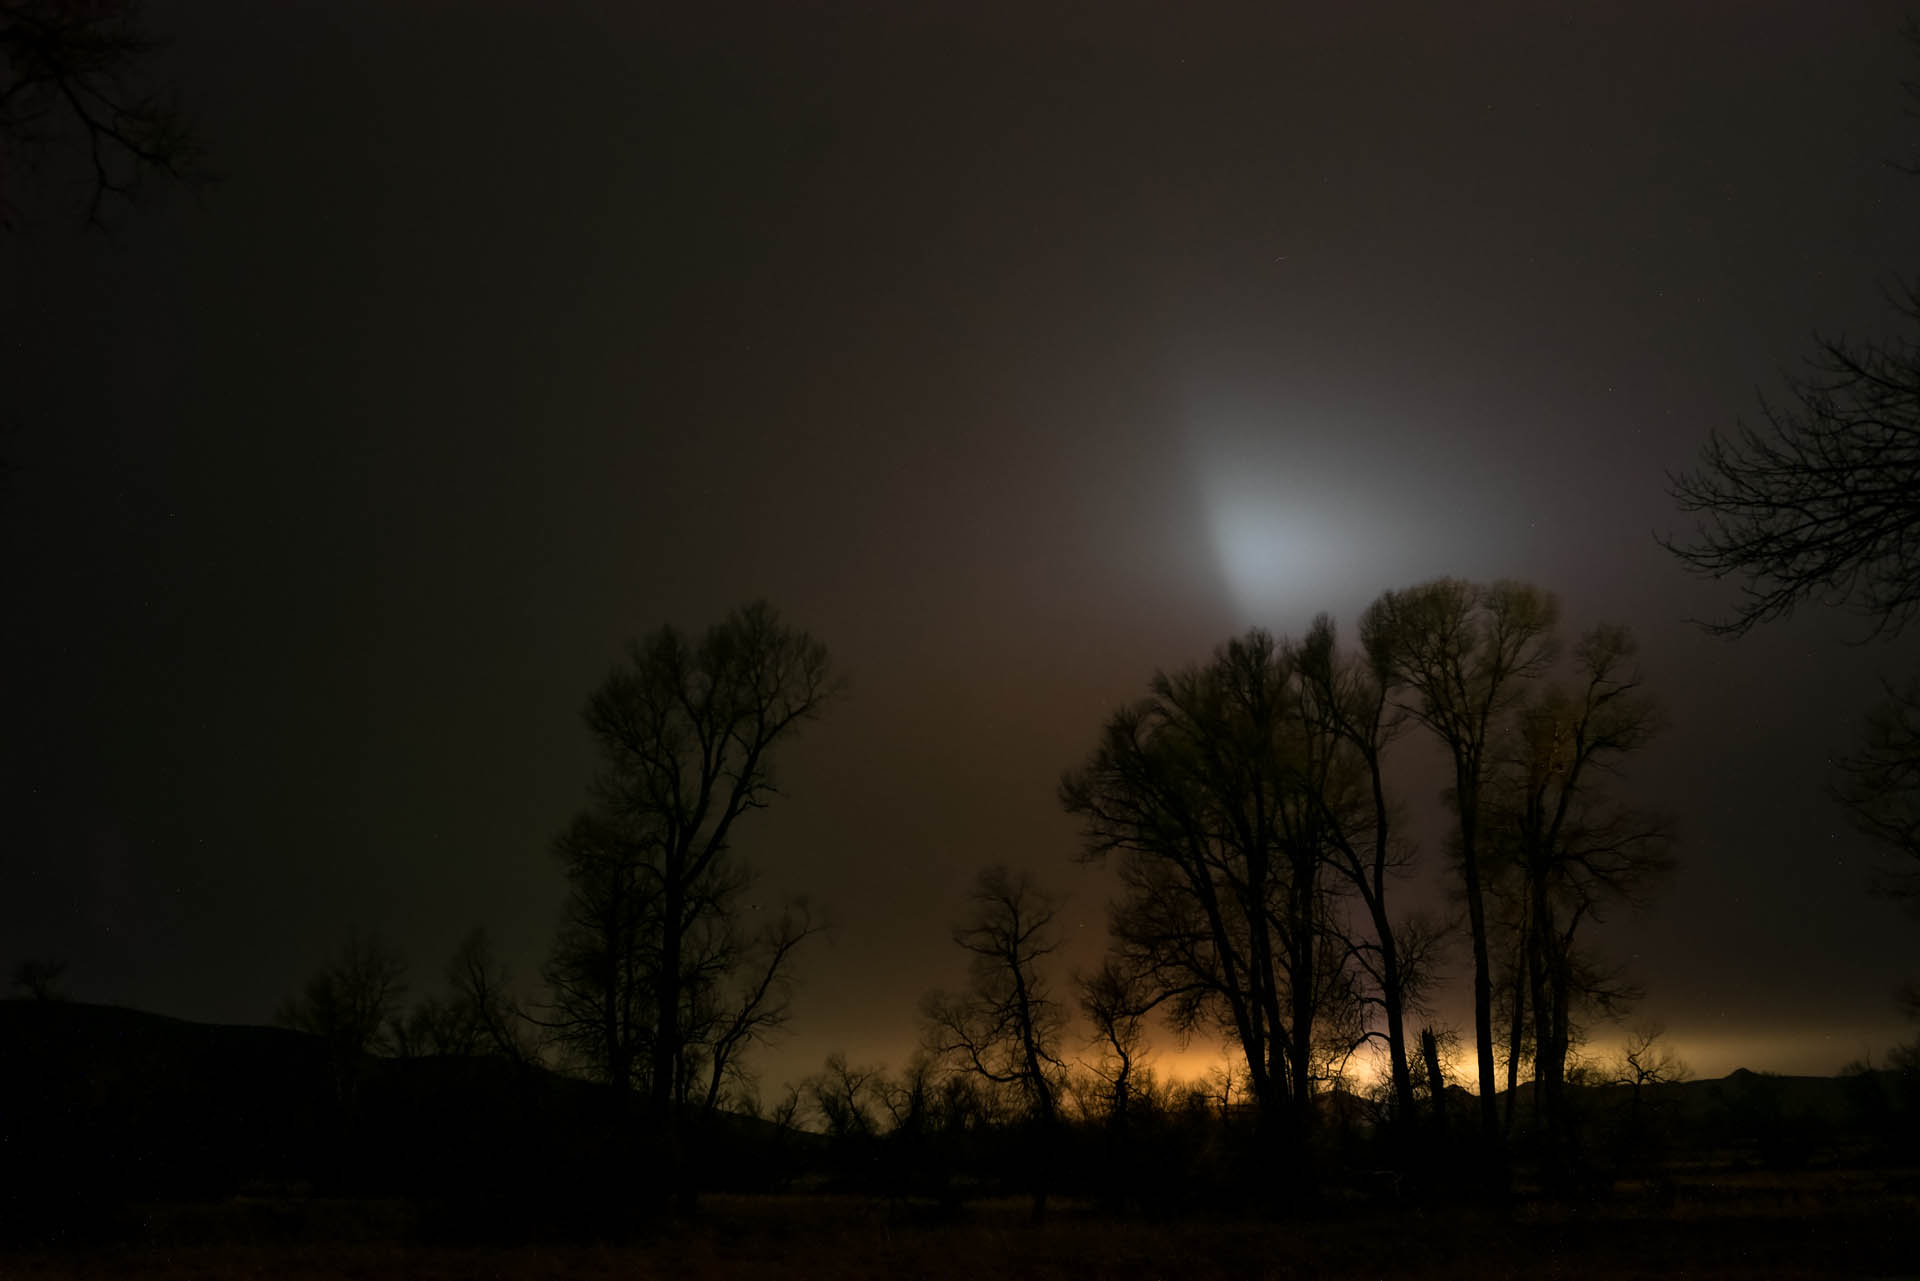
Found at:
[1298, 526]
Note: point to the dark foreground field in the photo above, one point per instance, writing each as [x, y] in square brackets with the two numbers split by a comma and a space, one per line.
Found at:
[1828, 1224]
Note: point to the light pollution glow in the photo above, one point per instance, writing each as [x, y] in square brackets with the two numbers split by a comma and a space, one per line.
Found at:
[1814, 1052]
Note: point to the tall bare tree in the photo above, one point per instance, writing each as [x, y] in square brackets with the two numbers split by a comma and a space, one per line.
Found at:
[1006, 1025]
[1115, 1000]
[600, 976]
[1349, 696]
[1458, 658]
[1573, 845]
[659, 971]
[1206, 793]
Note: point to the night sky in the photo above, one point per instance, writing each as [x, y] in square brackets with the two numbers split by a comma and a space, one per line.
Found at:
[1015, 350]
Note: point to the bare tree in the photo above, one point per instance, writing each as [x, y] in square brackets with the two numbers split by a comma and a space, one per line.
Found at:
[1350, 698]
[785, 1114]
[349, 1004]
[844, 1098]
[70, 73]
[1003, 1032]
[909, 1099]
[1823, 503]
[1211, 794]
[351, 999]
[483, 994]
[1459, 657]
[1646, 1060]
[658, 971]
[1006, 1026]
[740, 988]
[433, 1026]
[41, 979]
[600, 977]
[1879, 783]
[1573, 845]
[477, 1016]
[1115, 1000]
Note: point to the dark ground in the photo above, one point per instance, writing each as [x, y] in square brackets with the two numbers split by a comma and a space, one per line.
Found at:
[1807, 1224]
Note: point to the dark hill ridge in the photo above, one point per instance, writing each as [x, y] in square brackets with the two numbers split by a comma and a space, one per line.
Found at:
[124, 1103]
[118, 1097]
[106, 1102]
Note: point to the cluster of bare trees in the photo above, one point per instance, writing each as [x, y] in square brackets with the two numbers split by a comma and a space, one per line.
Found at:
[661, 979]
[1248, 806]
[1251, 809]
[356, 1006]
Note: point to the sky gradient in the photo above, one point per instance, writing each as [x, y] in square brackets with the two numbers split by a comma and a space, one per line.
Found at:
[1014, 350]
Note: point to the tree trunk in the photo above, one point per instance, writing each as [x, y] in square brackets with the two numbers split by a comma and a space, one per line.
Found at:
[1516, 1035]
[666, 1043]
[1482, 973]
[1436, 1085]
[1393, 999]
[1547, 1066]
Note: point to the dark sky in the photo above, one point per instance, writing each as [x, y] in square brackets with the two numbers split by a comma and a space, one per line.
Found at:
[1014, 349]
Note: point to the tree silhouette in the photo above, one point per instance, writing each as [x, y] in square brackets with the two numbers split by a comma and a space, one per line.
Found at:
[1212, 794]
[1645, 1060]
[69, 73]
[350, 1000]
[1879, 782]
[1436, 1080]
[1572, 846]
[1458, 658]
[1823, 503]
[600, 974]
[482, 992]
[1350, 698]
[41, 979]
[477, 1016]
[350, 1004]
[1005, 1028]
[1115, 1000]
[842, 1095]
[658, 972]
